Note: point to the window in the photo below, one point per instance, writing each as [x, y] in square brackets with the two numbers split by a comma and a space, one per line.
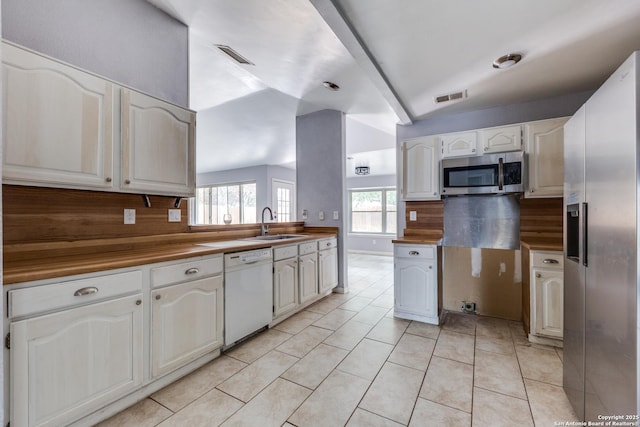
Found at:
[373, 211]
[234, 202]
[283, 203]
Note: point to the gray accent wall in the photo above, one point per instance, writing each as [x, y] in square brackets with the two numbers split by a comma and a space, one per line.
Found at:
[560, 106]
[320, 166]
[262, 175]
[128, 41]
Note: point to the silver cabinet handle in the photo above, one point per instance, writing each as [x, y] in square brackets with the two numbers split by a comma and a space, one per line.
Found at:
[550, 261]
[414, 253]
[108, 179]
[538, 275]
[127, 181]
[192, 270]
[328, 243]
[158, 297]
[85, 291]
[430, 267]
[138, 302]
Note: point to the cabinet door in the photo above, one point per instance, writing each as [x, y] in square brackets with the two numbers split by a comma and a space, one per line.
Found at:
[549, 293]
[420, 170]
[285, 286]
[68, 364]
[308, 276]
[157, 146]
[328, 267]
[502, 139]
[544, 145]
[57, 124]
[186, 322]
[459, 144]
[415, 287]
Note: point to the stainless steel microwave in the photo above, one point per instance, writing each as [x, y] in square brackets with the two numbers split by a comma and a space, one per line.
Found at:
[486, 174]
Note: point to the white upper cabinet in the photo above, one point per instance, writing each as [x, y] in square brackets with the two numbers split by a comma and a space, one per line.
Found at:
[544, 146]
[57, 124]
[459, 144]
[501, 139]
[420, 169]
[157, 146]
[60, 129]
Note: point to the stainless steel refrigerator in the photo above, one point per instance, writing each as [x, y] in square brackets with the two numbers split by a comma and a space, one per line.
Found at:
[601, 322]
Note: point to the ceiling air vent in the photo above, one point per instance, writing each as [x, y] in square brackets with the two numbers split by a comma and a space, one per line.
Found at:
[450, 97]
[234, 55]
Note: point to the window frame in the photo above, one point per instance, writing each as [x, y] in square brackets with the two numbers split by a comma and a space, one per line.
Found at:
[194, 207]
[384, 212]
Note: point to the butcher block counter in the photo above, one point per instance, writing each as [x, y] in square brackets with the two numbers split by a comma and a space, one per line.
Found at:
[37, 261]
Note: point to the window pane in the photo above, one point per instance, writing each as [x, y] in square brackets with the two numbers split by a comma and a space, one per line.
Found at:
[366, 222]
[391, 200]
[283, 199]
[391, 223]
[249, 209]
[366, 201]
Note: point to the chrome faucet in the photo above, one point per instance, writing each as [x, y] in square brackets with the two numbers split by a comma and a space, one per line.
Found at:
[265, 227]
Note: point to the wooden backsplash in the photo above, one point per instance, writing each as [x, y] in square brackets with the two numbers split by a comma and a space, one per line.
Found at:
[36, 214]
[541, 217]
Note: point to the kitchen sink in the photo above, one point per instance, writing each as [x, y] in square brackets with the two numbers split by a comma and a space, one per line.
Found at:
[276, 237]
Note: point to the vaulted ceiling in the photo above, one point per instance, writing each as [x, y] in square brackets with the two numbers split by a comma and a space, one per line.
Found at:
[390, 59]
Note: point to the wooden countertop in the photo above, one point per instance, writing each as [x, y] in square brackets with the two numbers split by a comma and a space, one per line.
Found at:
[418, 240]
[61, 262]
[542, 243]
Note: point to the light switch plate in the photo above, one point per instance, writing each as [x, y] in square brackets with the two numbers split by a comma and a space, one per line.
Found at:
[413, 216]
[321, 215]
[174, 215]
[129, 216]
[336, 215]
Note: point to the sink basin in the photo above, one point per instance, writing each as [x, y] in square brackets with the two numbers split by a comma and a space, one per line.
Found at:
[277, 237]
[226, 244]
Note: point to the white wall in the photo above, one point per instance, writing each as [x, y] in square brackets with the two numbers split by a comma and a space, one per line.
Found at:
[128, 41]
[1, 260]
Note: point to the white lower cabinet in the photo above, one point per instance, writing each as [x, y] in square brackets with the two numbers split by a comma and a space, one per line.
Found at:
[547, 294]
[416, 283]
[308, 276]
[285, 286]
[186, 322]
[327, 264]
[67, 364]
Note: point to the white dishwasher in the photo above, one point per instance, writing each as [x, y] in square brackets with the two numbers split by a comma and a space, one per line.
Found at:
[248, 293]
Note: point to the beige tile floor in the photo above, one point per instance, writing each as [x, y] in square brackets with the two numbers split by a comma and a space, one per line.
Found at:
[346, 361]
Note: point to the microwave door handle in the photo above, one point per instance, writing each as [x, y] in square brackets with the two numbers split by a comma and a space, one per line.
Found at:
[500, 174]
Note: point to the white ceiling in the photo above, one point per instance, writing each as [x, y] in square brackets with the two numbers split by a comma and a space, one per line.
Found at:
[390, 59]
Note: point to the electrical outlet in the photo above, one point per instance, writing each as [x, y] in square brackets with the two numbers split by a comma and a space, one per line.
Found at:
[336, 215]
[321, 215]
[174, 215]
[413, 216]
[305, 214]
[129, 216]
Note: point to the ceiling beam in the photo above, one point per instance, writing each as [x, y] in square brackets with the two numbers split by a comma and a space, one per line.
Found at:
[346, 33]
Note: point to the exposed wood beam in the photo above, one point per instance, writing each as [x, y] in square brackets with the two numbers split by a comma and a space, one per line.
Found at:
[346, 33]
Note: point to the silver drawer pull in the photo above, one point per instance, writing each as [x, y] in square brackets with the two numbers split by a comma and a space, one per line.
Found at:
[85, 291]
[414, 253]
[192, 270]
[538, 275]
[550, 261]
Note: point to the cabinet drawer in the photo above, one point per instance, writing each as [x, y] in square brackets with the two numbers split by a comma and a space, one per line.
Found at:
[415, 251]
[285, 252]
[327, 244]
[308, 248]
[547, 259]
[39, 299]
[175, 273]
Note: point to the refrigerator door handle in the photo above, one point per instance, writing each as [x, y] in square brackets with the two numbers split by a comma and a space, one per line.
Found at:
[585, 235]
[500, 174]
